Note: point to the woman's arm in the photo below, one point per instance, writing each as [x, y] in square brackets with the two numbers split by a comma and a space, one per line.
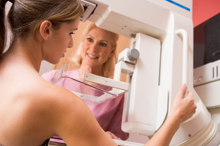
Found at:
[77, 126]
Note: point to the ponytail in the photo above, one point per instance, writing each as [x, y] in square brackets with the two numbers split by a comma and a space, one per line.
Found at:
[2, 25]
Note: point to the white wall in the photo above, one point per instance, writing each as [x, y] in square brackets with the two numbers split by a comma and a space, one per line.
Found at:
[45, 67]
[8, 38]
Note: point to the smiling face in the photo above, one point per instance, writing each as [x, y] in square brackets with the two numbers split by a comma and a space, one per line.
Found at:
[96, 48]
[59, 40]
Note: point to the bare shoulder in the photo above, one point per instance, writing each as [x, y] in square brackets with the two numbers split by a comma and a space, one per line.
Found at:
[57, 100]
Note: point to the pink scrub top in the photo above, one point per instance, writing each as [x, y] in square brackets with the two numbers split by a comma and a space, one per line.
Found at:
[108, 114]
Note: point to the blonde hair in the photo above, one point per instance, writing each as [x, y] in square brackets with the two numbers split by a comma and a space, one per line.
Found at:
[109, 65]
[26, 16]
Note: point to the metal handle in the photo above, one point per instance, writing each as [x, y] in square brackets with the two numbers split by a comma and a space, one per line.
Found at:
[184, 34]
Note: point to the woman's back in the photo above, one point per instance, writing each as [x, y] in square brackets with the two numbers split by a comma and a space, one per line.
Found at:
[22, 106]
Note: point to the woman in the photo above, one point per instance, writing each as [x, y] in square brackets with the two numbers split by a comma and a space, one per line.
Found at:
[96, 55]
[32, 109]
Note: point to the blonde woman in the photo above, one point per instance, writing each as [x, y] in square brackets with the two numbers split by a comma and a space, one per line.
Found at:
[32, 109]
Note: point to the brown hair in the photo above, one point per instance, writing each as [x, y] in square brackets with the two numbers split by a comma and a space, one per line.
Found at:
[25, 16]
[109, 65]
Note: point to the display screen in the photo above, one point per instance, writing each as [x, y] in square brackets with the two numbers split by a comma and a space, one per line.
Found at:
[207, 41]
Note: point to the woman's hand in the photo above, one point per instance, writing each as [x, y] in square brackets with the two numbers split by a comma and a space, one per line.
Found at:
[183, 107]
[112, 136]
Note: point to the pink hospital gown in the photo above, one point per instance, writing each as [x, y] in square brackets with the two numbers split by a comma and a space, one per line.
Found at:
[108, 114]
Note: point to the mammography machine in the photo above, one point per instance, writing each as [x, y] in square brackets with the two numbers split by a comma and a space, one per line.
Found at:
[158, 62]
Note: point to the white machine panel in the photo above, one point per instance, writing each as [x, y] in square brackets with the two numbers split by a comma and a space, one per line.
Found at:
[183, 7]
[207, 83]
[110, 15]
[144, 81]
[207, 73]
